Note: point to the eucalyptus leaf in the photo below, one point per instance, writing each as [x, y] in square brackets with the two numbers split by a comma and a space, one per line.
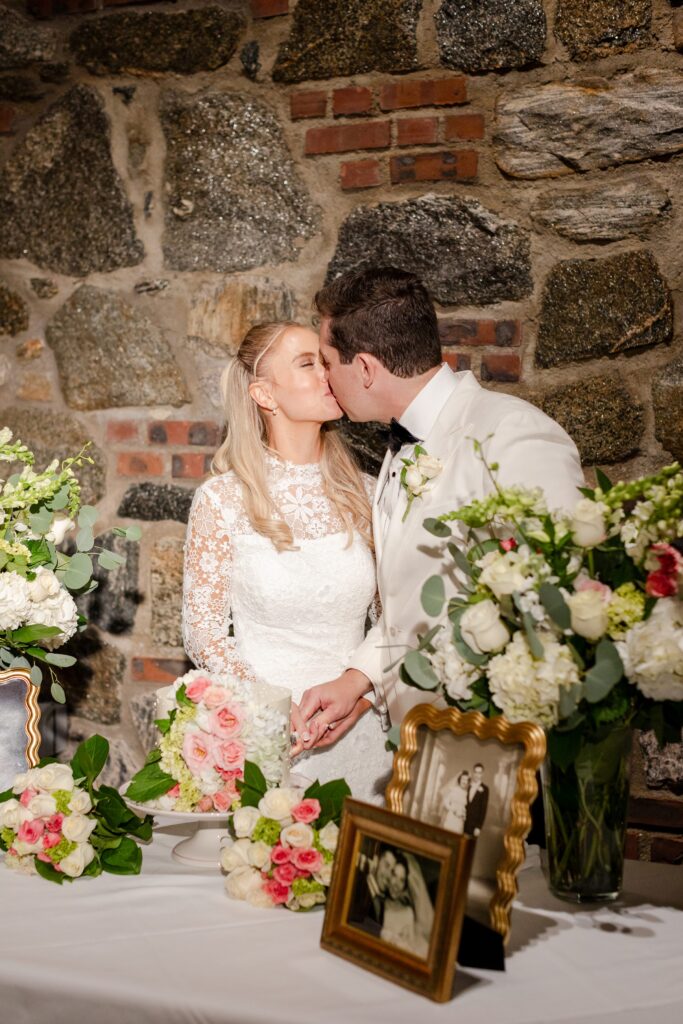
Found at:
[40, 522]
[20, 663]
[460, 559]
[420, 672]
[110, 559]
[555, 605]
[605, 673]
[57, 693]
[87, 516]
[60, 499]
[437, 528]
[569, 698]
[133, 532]
[36, 675]
[426, 639]
[6, 656]
[433, 596]
[85, 539]
[466, 652]
[60, 660]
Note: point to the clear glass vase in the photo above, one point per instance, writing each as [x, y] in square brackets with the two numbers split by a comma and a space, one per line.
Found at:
[586, 805]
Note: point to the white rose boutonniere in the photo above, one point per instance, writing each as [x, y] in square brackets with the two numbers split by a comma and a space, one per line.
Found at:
[417, 475]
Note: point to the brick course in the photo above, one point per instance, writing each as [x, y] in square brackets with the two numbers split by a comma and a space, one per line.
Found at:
[360, 174]
[354, 99]
[456, 165]
[140, 464]
[414, 92]
[311, 103]
[345, 137]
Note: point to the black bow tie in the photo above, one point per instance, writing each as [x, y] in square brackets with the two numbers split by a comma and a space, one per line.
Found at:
[398, 436]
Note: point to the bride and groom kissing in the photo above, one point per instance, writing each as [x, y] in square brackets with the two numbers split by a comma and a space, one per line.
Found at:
[290, 547]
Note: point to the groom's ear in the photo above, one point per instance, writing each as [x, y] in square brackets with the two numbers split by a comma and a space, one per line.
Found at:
[367, 365]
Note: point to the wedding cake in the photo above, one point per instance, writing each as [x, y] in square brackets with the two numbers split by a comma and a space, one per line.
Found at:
[209, 726]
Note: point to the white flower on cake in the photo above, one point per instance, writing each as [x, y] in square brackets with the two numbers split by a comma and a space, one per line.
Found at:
[652, 652]
[526, 689]
[483, 629]
[14, 601]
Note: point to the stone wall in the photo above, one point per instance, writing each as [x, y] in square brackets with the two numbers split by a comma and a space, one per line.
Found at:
[171, 173]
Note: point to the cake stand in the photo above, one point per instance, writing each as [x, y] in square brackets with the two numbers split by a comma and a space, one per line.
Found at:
[202, 848]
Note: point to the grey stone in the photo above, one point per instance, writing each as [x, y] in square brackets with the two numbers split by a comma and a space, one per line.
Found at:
[154, 42]
[368, 441]
[13, 312]
[603, 307]
[603, 213]
[20, 89]
[109, 354]
[44, 288]
[601, 27]
[604, 420]
[481, 258]
[143, 709]
[221, 315]
[491, 36]
[152, 502]
[349, 37]
[121, 764]
[663, 765]
[22, 42]
[51, 434]
[545, 131]
[166, 584]
[239, 202]
[56, 73]
[667, 401]
[62, 203]
[113, 605]
[249, 59]
[93, 684]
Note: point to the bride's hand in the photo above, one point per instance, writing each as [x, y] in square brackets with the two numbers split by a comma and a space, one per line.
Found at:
[325, 708]
[336, 730]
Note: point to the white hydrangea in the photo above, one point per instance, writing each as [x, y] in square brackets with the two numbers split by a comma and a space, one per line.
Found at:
[14, 601]
[52, 605]
[454, 673]
[652, 652]
[527, 690]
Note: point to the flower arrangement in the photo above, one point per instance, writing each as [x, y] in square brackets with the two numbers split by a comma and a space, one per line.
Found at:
[282, 842]
[38, 581]
[55, 823]
[213, 724]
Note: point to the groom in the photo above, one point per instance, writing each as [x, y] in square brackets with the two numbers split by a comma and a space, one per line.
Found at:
[380, 340]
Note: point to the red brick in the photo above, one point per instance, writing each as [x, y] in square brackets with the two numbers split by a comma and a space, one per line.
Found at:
[667, 849]
[456, 165]
[464, 126]
[501, 366]
[139, 464]
[312, 103]
[269, 8]
[508, 333]
[417, 131]
[122, 430]
[158, 670]
[414, 92]
[344, 137]
[457, 360]
[7, 115]
[191, 465]
[360, 174]
[197, 432]
[353, 99]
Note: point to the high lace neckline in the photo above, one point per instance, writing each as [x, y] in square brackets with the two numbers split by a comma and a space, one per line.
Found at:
[279, 465]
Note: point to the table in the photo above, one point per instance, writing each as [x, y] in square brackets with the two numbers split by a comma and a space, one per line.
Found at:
[168, 947]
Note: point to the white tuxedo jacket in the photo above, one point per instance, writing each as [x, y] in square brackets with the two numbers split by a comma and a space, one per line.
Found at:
[531, 450]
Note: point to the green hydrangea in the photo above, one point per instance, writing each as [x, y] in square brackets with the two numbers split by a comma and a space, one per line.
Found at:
[173, 762]
[626, 608]
[7, 835]
[63, 848]
[62, 798]
[305, 885]
[266, 830]
[327, 855]
[190, 794]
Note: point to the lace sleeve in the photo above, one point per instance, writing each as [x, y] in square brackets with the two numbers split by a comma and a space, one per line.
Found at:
[206, 589]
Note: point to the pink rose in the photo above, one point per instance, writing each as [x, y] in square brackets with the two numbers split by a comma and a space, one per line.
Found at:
[280, 854]
[54, 823]
[27, 796]
[205, 804]
[216, 697]
[44, 857]
[228, 754]
[225, 722]
[196, 690]
[509, 544]
[307, 859]
[31, 831]
[664, 581]
[588, 584]
[51, 839]
[174, 791]
[307, 811]
[222, 800]
[197, 750]
[278, 892]
[285, 873]
[661, 584]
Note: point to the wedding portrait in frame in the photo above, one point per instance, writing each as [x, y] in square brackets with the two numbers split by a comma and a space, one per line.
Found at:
[475, 777]
[19, 718]
[397, 898]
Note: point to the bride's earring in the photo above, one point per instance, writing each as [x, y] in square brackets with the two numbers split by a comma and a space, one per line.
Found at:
[274, 410]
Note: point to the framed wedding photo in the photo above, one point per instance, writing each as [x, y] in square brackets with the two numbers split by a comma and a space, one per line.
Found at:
[474, 776]
[19, 718]
[397, 898]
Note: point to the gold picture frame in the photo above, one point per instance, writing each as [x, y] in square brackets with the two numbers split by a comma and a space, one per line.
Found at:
[408, 932]
[19, 720]
[497, 860]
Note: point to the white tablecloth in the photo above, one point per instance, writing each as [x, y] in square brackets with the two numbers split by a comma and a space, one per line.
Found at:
[170, 947]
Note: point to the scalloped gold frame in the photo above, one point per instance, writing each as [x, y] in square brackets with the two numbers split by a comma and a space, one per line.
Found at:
[531, 737]
[32, 713]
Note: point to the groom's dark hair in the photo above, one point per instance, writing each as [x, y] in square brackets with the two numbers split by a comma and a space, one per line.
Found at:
[385, 312]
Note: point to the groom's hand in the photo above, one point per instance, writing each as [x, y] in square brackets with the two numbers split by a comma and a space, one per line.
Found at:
[330, 709]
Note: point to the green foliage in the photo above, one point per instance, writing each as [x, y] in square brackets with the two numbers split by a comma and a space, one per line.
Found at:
[437, 527]
[419, 672]
[330, 796]
[149, 783]
[252, 788]
[605, 673]
[433, 595]
[90, 758]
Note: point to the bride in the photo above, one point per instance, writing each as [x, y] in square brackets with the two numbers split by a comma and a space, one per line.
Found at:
[279, 575]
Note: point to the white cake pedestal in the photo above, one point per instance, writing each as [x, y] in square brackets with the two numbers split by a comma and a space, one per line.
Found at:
[202, 848]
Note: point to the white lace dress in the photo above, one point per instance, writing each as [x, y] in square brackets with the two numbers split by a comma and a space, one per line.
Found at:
[296, 616]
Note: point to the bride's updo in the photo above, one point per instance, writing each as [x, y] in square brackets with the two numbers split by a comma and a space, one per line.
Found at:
[246, 445]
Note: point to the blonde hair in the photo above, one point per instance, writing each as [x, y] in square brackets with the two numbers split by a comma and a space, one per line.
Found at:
[246, 443]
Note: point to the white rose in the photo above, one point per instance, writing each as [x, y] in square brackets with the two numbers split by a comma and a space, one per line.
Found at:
[80, 802]
[244, 819]
[12, 813]
[504, 575]
[44, 585]
[241, 881]
[61, 525]
[588, 611]
[309, 899]
[43, 805]
[75, 863]
[324, 876]
[329, 836]
[55, 776]
[24, 780]
[277, 803]
[14, 601]
[258, 897]
[58, 610]
[482, 628]
[413, 480]
[429, 466]
[588, 522]
[259, 856]
[77, 828]
[297, 835]
[235, 854]
[24, 865]
[23, 848]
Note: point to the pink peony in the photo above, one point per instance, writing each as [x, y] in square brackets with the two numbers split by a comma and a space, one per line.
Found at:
[31, 831]
[280, 854]
[54, 823]
[197, 750]
[225, 722]
[509, 544]
[307, 811]
[216, 697]
[51, 839]
[205, 804]
[285, 873]
[307, 859]
[228, 754]
[27, 796]
[196, 690]
[278, 892]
